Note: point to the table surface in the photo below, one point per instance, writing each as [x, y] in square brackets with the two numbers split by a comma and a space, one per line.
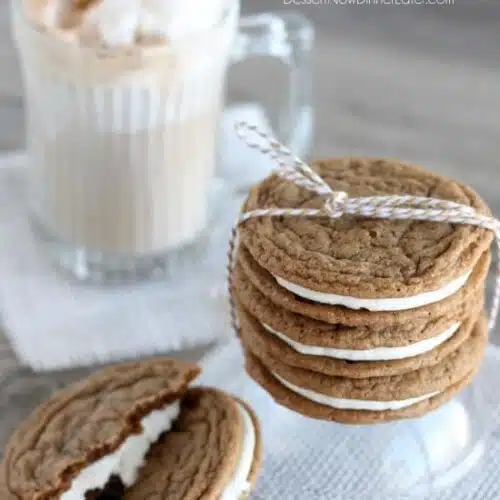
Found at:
[420, 83]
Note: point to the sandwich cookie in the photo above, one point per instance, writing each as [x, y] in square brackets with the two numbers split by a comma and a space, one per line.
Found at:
[356, 364]
[213, 452]
[95, 431]
[369, 400]
[250, 277]
[363, 263]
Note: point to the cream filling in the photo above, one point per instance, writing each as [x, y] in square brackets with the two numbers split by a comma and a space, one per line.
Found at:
[240, 484]
[126, 461]
[353, 404]
[386, 304]
[375, 354]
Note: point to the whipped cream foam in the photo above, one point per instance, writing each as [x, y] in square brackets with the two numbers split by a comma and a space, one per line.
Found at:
[118, 23]
[353, 404]
[385, 304]
[239, 484]
[126, 461]
[375, 354]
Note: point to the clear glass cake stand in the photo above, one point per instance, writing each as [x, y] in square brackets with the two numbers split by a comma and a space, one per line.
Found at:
[407, 459]
[307, 459]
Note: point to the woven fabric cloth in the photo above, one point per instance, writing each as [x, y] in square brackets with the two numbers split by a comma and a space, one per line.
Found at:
[54, 324]
[311, 460]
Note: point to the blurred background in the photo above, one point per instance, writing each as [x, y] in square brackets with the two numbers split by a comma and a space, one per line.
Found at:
[420, 82]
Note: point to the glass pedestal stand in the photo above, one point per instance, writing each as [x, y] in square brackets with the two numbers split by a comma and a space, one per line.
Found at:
[307, 459]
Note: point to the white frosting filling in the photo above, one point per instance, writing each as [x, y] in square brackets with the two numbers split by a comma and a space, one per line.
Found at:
[239, 483]
[353, 404]
[387, 304]
[126, 461]
[375, 354]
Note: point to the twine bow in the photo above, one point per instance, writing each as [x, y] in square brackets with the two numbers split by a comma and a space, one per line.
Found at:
[338, 204]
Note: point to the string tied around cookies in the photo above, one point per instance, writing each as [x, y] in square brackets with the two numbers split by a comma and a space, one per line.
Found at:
[338, 204]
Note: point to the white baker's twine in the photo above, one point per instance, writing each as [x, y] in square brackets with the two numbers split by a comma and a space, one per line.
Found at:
[338, 203]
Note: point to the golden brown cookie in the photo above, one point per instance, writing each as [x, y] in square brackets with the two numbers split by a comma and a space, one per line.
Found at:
[363, 257]
[268, 344]
[297, 403]
[414, 324]
[382, 398]
[213, 452]
[98, 417]
[385, 388]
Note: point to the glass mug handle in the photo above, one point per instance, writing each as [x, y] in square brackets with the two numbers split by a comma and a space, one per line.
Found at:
[288, 37]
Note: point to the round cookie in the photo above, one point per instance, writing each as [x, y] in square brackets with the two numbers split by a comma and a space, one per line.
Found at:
[372, 399]
[213, 452]
[299, 404]
[421, 320]
[357, 257]
[76, 439]
[266, 344]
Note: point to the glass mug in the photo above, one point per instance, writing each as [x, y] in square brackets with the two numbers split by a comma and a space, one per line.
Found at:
[122, 143]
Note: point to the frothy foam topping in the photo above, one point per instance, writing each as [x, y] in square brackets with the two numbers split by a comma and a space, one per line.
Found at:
[126, 461]
[122, 23]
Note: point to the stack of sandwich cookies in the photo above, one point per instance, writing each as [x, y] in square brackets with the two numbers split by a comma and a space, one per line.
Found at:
[357, 319]
[359, 348]
[134, 431]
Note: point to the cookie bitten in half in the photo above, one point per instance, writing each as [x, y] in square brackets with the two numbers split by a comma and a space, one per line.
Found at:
[134, 431]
